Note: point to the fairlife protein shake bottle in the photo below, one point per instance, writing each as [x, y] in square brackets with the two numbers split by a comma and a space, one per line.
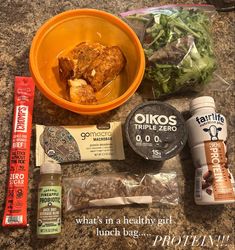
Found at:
[214, 183]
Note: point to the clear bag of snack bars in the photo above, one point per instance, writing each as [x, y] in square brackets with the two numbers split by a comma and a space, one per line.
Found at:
[120, 189]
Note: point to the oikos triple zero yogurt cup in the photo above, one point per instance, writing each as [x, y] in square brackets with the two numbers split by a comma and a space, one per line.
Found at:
[156, 131]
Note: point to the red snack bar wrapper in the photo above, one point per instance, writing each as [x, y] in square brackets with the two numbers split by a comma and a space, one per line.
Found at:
[15, 213]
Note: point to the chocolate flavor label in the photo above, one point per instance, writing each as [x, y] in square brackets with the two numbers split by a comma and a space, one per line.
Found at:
[218, 173]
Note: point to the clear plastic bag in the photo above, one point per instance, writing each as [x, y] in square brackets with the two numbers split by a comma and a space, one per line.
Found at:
[120, 189]
[223, 5]
[177, 44]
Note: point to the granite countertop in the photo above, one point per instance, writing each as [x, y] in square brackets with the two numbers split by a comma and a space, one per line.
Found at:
[18, 24]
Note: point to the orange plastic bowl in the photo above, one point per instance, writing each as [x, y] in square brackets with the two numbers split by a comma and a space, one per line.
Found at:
[66, 30]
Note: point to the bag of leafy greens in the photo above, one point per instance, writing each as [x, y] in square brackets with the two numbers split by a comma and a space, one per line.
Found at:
[177, 44]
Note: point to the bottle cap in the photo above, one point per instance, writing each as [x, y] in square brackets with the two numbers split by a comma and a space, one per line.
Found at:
[50, 168]
[202, 102]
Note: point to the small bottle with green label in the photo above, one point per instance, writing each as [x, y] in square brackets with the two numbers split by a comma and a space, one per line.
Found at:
[49, 201]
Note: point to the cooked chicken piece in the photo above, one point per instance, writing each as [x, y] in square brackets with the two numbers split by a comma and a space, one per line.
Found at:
[80, 92]
[78, 60]
[105, 67]
[66, 68]
[93, 62]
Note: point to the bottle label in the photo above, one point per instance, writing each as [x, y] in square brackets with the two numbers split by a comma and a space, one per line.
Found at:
[207, 127]
[49, 210]
[218, 176]
[214, 182]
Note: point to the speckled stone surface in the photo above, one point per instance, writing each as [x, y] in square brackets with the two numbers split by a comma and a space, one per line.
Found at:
[18, 24]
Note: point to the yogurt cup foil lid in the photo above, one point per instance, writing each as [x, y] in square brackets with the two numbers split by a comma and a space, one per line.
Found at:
[156, 131]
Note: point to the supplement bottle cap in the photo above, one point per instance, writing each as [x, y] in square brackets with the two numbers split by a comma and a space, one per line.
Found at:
[50, 168]
[202, 102]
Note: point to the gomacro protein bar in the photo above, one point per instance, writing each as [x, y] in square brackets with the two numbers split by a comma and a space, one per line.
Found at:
[16, 201]
[79, 143]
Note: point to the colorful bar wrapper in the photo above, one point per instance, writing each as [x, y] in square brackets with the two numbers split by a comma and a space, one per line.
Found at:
[15, 213]
[64, 144]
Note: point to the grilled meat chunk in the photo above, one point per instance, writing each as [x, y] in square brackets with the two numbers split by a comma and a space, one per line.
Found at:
[87, 68]
[80, 92]
[78, 60]
[105, 67]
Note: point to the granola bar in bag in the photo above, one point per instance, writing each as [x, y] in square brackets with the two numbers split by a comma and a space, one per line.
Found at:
[120, 189]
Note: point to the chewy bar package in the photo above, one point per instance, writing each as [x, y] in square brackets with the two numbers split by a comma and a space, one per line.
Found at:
[79, 143]
[120, 189]
[16, 201]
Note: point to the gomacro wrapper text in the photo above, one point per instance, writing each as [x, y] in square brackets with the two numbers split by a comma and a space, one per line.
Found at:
[79, 143]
